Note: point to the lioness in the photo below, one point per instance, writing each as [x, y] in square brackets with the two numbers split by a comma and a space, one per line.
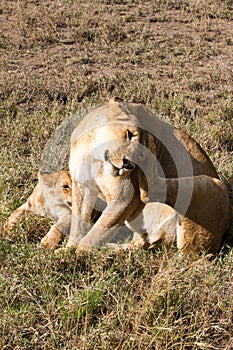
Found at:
[199, 228]
[50, 198]
[201, 213]
[128, 129]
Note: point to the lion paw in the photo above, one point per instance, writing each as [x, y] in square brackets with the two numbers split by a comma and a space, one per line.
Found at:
[52, 239]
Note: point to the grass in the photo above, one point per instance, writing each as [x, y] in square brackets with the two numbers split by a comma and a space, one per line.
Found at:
[57, 58]
[144, 300]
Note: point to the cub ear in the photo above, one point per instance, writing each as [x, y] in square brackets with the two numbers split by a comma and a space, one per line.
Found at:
[49, 179]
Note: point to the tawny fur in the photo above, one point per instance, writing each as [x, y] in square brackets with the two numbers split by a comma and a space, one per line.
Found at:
[201, 227]
[50, 198]
[121, 127]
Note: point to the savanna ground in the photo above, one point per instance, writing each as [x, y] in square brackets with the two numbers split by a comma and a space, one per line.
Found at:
[60, 57]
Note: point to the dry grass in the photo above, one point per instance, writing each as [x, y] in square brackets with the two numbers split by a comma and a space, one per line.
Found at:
[57, 57]
[115, 301]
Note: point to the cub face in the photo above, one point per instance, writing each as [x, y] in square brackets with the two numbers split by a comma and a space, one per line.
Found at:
[66, 184]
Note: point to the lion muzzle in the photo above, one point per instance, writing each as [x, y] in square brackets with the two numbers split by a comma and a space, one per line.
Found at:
[122, 164]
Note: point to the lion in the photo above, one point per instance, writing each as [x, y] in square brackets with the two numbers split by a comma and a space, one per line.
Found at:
[157, 224]
[117, 129]
[50, 198]
[200, 228]
[194, 211]
[127, 131]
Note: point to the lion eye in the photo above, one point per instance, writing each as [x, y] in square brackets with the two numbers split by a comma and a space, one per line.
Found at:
[132, 136]
[129, 134]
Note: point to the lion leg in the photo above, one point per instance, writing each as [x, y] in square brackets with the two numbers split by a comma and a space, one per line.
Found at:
[52, 239]
[156, 224]
[16, 216]
[57, 232]
[105, 227]
[34, 204]
[121, 198]
[83, 202]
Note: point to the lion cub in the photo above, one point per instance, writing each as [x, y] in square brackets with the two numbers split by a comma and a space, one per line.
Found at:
[52, 198]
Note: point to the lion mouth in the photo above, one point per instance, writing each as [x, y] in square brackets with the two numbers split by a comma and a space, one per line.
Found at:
[123, 165]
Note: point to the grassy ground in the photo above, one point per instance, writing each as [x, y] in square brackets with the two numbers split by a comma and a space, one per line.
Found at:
[58, 57]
